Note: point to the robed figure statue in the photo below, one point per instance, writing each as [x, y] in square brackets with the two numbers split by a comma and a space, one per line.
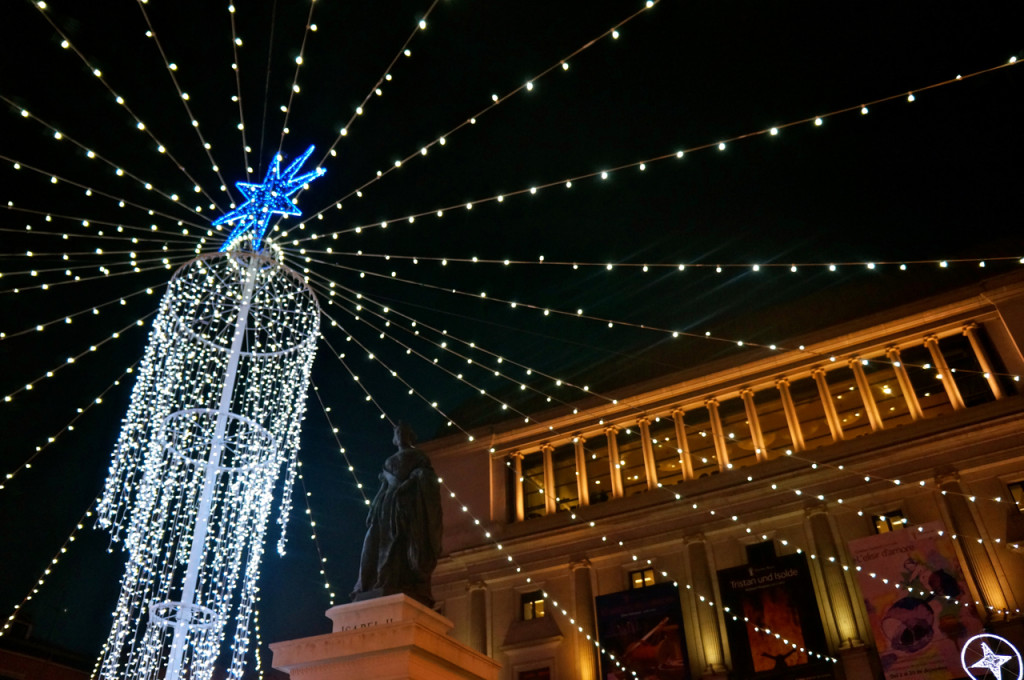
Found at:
[403, 528]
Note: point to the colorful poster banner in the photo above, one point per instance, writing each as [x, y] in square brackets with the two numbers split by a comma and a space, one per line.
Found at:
[778, 597]
[643, 629]
[909, 579]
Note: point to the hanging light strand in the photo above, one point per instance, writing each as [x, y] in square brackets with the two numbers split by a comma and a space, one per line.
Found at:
[833, 265]
[106, 273]
[326, 410]
[68, 427]
[139, 124]
[73, 359]
[183, 97]
[69, 318]
[496, 100]
[41, 581]
[677, 154]
[294, 89]
[57, 179]
[402, 51]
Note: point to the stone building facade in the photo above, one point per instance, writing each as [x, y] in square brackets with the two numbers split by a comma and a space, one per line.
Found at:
[908, 419]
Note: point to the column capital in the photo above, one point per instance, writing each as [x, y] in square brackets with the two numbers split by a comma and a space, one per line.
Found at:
[516, 455]
[610, 429]
[816, 509]
[746, 392]
[578, 438]
[547, 447]
[476, 584]
[818, 371]
[931, 339]
[576, 565]
[711, 401]
[698, 537]
[947, 476]
[644, 420]
[969, 326]
[853, 361]
[782, 382]
[678, 410]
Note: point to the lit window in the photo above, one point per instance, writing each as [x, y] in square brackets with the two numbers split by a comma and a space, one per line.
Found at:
[1017, 493]
[890, 521]
[641, 578]
[533, 605]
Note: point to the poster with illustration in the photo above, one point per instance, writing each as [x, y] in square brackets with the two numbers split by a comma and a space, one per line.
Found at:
[909, 579]
[643, 629]
[778, 597]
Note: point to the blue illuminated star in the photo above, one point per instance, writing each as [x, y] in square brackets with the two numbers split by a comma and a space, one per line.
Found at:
[271, 197]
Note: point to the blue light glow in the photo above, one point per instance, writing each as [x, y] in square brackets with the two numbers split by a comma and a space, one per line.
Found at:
[271, 197]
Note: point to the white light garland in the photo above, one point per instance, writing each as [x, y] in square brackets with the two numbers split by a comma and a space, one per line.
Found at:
[214, 418]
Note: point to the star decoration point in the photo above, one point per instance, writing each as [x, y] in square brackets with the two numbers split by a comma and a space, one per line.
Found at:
[991, 661]
[272, 196]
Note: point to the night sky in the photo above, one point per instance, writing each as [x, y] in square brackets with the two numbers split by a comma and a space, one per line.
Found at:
[916, 182]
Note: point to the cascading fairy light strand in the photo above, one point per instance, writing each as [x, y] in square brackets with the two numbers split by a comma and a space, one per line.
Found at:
[213, 422]
[295, 89]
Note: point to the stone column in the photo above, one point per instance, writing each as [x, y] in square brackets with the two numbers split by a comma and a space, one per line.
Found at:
[976, 558]
[721, 447]
[971, 331]
[478, 616]
[517, 462]
[685, 462]
[795, 433]
[952, 391]
[870, 406]
[905, 385]
[835, 580]
[709, 633]
[648, 451]
[581, 471]
[583, 595]
[834, 426]
[615, 467]
[760, 451]
[550, 507]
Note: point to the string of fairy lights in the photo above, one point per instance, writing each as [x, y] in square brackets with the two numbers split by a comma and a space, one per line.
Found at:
[165, 263]
[726, 517]
[496, 100]
[641, 165]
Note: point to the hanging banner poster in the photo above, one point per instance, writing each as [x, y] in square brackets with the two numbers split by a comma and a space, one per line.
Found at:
[919, 636]
[643, 629]
[778, 597]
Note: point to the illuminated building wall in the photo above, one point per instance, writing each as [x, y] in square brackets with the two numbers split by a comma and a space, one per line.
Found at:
[900, 419]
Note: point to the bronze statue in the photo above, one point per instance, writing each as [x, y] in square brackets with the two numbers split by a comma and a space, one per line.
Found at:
[403, 528]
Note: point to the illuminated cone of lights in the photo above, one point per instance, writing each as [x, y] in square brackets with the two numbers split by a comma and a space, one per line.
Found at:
[214, 419]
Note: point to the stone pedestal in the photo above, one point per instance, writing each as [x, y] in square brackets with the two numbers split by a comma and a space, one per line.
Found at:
[388, 638]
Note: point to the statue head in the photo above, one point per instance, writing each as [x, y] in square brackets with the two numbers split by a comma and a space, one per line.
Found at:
[405, 438]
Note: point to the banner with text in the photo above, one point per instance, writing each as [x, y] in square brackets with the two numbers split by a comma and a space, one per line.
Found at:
[778, 597]
[908, 579]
